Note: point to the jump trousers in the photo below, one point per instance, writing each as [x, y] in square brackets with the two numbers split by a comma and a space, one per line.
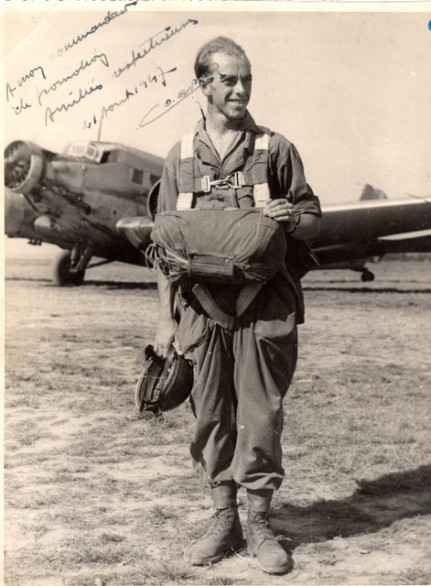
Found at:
[241, 378]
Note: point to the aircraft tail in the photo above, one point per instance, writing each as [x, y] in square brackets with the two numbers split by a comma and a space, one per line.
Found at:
[370, 192]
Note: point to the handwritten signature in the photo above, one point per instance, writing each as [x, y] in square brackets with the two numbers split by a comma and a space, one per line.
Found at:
[152, 43]
[171, 103]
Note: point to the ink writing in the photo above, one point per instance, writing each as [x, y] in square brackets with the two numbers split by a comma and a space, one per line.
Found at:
[82, 94]
[85, 63]
[152, 43]
[158, 77]
[10, 90]
[159, 110]
[21, 107]
[79, 38]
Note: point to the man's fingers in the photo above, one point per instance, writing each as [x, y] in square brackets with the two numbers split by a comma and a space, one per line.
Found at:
[161, 350]
[276, 202]
[177, 347]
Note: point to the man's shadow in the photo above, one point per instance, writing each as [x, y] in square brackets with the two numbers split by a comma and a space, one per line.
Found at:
[374, 505]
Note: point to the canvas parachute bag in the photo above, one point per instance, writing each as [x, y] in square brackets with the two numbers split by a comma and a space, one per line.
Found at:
[226, 246]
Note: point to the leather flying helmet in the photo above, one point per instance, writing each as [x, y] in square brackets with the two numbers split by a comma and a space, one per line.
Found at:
[164, 383]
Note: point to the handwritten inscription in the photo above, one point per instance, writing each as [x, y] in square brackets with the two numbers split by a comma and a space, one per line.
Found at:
[38, 92]
[152, 43]
[158, 77]
[85, 63]
[79, 38]
[50, 113]
[10, 90]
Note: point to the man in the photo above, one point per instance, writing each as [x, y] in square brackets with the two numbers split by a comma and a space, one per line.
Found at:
[243, 372]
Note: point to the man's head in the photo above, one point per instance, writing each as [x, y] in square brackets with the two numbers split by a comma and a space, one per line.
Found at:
[224, 73]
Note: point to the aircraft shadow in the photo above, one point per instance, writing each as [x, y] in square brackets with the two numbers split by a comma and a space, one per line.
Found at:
[360, 289]
[88, 283]
[374, 505]
[121, 285]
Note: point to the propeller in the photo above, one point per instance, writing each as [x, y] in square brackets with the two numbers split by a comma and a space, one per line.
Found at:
[17, 164]
[23, 166]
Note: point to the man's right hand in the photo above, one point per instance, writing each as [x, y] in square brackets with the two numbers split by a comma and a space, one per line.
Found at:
[165, 334]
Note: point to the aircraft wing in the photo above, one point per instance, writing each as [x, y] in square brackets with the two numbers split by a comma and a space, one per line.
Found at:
[352, 234]
[98, 199]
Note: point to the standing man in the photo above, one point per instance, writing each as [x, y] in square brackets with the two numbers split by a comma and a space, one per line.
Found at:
[242, 372]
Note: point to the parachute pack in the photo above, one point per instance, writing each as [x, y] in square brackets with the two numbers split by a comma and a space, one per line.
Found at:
[213, 246]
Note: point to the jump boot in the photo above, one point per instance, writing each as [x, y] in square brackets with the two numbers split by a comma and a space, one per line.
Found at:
[224, 534]
[261, 540]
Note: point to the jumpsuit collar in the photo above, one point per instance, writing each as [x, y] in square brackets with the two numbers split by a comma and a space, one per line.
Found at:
[239, 150]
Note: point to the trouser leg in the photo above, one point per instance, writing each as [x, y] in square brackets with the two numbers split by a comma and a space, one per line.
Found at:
[265, 350]
[213, 397]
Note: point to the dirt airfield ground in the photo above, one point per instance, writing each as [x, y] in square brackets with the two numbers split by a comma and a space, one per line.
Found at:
[96, 493]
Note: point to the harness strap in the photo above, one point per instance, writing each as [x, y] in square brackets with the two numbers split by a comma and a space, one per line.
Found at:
[206, 300]
[260, 170]
[256, 176]
[187, 179]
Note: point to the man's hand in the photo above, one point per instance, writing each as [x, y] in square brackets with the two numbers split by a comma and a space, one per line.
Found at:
[281, 211]
[165, 335]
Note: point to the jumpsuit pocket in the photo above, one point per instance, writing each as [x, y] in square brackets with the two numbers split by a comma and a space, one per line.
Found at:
[278, 333]
[193, 329]
[277, 347]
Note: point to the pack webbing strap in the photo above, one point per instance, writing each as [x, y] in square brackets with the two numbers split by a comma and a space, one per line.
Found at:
[223, 319]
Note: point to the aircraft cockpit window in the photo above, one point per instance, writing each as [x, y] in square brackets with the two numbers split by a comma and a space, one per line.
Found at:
[138, 176]
[77, 150]
[91, 152]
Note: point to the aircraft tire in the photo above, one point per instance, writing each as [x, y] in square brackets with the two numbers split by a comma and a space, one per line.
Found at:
[367, 276]
[62, 275]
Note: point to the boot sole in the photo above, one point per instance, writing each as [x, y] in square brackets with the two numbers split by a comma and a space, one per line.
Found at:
[226, 553]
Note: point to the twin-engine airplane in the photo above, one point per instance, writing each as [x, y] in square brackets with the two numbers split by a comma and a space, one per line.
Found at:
[87, 199]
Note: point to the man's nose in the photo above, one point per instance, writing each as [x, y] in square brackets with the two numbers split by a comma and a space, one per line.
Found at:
[240, 88]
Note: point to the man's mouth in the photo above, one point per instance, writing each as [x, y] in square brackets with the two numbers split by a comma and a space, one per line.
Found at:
[239, 102]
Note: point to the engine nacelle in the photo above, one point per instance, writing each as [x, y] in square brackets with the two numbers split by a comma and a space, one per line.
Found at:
[23, 166]
[19, 216]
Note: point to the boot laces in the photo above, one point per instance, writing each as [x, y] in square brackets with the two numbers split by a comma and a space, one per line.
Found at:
[261, 525]
[221, 520]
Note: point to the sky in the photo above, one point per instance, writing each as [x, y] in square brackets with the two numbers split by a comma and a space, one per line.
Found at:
[351, 89]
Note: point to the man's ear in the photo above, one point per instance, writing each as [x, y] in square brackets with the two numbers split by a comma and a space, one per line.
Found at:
[205, 83]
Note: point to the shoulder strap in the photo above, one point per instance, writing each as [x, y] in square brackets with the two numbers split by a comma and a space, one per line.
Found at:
[257, 175]
[187, 178]
[259, 170]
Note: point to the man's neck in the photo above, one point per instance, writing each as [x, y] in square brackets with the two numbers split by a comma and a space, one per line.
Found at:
[218, 125]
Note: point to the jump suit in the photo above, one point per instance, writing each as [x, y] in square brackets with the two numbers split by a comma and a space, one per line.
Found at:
[241, 375]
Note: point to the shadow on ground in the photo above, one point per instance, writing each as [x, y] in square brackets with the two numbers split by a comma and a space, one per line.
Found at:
[374, 505]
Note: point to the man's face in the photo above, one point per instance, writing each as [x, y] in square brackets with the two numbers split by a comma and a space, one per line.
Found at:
[229, 91]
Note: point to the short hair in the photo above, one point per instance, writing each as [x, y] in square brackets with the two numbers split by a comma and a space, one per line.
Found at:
[217, 45]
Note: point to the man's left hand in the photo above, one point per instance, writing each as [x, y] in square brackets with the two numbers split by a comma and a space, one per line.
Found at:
[280, 210]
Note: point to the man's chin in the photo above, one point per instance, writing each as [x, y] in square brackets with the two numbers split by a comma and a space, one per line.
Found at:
[237, 113]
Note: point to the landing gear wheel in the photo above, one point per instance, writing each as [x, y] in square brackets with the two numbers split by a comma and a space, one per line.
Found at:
[367, 276]
[62, 273]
